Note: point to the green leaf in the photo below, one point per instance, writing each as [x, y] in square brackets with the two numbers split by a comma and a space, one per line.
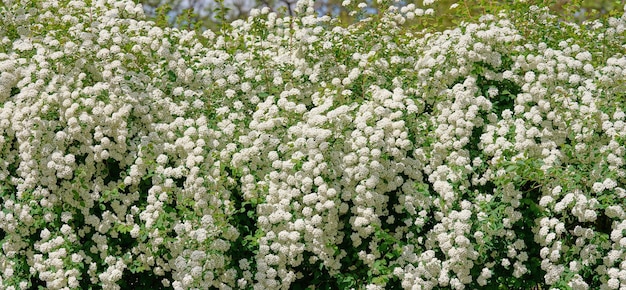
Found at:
[511, 168]
[171, 76]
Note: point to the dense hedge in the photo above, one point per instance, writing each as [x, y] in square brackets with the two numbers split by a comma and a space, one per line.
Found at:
[284, 153]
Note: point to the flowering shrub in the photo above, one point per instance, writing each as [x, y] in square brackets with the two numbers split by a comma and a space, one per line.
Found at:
[292, 152]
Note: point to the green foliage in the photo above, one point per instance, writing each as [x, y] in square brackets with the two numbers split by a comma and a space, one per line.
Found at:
[169, 150]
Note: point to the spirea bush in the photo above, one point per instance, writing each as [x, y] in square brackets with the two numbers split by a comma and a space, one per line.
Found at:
[290, 152]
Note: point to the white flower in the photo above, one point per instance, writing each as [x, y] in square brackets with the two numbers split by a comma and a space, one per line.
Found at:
[598, 187]
[45, 234]
[201, 235]
[609, 183]
[545, 200]
[590, 215]
[66, 230]
[505, 263]
[373, 287]
[613, 283]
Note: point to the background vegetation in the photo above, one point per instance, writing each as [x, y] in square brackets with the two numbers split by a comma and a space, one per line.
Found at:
[206, 13]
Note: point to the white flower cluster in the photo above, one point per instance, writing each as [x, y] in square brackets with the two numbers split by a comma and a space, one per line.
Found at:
[245, 159]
